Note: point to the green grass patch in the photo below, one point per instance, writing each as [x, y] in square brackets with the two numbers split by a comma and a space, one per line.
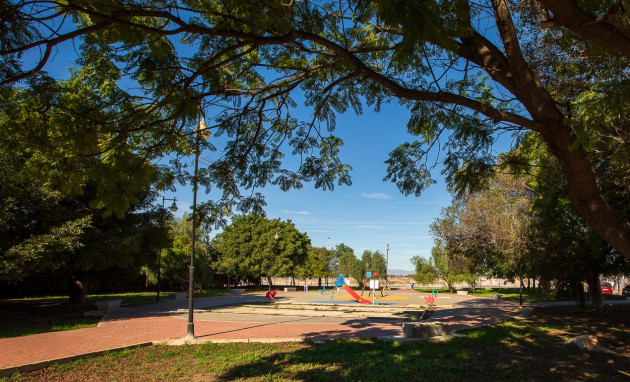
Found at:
[512, 294]
[19, 328]
[509, 294]
[22, 317]
[143, 298]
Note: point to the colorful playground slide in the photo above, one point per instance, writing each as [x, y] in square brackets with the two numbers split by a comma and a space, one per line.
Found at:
[340, 283]
[355, 295]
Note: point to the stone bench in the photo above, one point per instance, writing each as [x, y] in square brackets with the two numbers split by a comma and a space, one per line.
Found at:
[237, 291]
[424, 329]
[179, 296]
[107, 305]
[290, 289]
[462, 292]
[497, 296]
[526, 311]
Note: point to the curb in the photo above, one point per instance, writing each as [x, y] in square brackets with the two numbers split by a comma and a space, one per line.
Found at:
[195, 341]
[57, 361]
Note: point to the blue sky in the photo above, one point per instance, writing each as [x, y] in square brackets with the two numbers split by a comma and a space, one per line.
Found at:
[367, 215]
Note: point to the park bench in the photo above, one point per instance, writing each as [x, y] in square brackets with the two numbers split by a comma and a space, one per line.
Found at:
[424, 329]
[237, 291]
[290, 289]
[178, 296]
[107, 305]
[104, 307]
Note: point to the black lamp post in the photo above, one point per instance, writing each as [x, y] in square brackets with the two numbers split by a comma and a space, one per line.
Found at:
[387, 265]
[201, 133]
[173, 208]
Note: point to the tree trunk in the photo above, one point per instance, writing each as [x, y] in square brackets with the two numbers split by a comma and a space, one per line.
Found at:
[319, 282]
[510, 69]
[544, 286]
[596, 292]
[580, 293]
[269, 281]
[78, 289]
[587, 200]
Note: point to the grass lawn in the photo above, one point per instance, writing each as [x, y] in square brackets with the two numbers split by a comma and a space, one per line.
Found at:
[512, 294]
[23, 317]
[527, 350]
[509, 294]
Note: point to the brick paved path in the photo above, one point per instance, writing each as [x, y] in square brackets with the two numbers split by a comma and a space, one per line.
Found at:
[156, 322]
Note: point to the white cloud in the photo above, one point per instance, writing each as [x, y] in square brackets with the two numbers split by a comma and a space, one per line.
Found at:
[376, 195]
[296, 212]
[371, 226]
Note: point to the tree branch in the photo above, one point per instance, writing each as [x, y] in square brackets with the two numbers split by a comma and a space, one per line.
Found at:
[609, 29]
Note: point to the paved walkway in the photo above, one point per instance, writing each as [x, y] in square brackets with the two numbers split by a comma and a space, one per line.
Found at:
[168, 320]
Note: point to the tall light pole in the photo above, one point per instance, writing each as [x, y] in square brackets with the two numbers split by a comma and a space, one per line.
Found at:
[275, 245]
[201, 133]
[387, 265]
[173, 208]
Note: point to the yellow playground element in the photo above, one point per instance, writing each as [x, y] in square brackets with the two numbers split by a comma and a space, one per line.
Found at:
[348, 297]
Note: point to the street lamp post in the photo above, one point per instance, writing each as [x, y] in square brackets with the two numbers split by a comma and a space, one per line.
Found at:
[387, 265]
[201, 133]
[173, 208]
[275, 244]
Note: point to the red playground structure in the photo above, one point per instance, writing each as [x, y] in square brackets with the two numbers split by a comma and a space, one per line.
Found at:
[341, 284]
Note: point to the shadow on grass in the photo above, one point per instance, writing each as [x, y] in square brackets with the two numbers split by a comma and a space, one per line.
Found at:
[509, 351]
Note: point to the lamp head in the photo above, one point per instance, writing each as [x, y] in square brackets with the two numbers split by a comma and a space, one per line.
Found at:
[204, 132]
[173, 207]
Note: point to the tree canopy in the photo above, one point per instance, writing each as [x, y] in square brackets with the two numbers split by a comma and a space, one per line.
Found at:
[253, 246]
[467, 71]
[48, 235]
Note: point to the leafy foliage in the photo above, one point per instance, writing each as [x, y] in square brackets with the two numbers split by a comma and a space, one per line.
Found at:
[248, 248]
[467, 71]
[425, 271]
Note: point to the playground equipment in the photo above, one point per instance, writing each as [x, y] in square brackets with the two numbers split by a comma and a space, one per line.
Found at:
[371, 279]
[340, 283]
[271, 294]
[430, 298]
